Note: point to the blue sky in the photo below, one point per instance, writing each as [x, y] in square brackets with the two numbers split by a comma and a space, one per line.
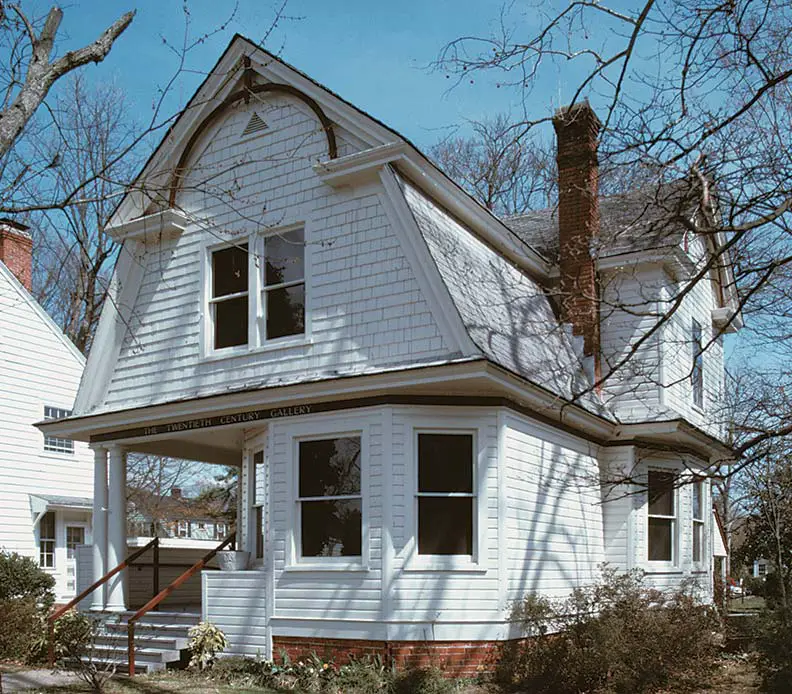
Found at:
[372, 53]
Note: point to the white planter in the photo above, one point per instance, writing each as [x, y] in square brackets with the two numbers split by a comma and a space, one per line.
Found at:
[229, 560]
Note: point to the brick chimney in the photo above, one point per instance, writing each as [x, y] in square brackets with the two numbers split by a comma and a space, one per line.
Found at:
[176, 492]
[16, 250]
[577, 128]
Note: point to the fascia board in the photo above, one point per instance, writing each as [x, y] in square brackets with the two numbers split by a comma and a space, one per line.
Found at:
[673, 433]
[359, 166]
[80, 427]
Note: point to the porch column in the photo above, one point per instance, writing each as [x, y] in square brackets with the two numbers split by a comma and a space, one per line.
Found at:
[99, 525]
[116, 529]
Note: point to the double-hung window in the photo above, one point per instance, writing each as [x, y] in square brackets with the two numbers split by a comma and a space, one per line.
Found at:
[697, 366]
[47, 540]
[699, 523]
[446, 498]
[55, 444]
[329, 497]
[257, 290]
[662, 516]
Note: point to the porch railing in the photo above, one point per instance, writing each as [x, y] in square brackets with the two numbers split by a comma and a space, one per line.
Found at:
[129, 561]
[164, 593]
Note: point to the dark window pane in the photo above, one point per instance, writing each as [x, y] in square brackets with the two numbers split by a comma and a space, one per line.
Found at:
[285, 311]
[231, 322]
[661, 493]
[230, 270]
[331, 528]
[284, 255]
[259, 532]
[698, 506]
[445, 525]
[47, 526]
[698, 532]
[445, 463]
[660, 539]
[330, 467]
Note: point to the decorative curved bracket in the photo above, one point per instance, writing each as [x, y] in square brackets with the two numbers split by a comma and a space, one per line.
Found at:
[230, 100]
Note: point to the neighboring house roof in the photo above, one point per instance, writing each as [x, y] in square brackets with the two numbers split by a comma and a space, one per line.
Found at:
[640, 220]
[40, 312]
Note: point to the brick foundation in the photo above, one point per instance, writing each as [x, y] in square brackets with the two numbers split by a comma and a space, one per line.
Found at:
[454, 658]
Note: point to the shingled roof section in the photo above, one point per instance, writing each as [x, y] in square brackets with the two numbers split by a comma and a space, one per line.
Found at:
[506, 313]
[640, 220]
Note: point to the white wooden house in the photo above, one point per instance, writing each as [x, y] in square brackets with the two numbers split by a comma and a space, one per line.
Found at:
[300, 292]
[46, 482]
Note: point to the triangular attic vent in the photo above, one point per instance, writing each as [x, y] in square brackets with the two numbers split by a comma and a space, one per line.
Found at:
[255, 124]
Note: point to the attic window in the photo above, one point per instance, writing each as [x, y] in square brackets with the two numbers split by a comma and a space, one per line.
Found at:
[255, 125]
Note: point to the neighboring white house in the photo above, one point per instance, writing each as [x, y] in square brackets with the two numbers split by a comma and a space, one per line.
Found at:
[46, 482]
[301, 293]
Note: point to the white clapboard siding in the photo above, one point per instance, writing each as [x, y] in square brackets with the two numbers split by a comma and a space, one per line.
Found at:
[554, 516]
[38, 367]
[434, 596]
[318, 594]
[618, 502]
[366, 309]
[632, 300]
[234, 601]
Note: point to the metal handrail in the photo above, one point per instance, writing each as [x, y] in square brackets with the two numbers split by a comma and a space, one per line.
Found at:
[55, 616]
[164, 593]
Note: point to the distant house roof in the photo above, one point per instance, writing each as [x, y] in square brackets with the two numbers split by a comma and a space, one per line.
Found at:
[629, 222]
[173, 508]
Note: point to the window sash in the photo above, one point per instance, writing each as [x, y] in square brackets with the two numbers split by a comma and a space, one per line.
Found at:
[698, 540]
[666, 481]
[56, 444]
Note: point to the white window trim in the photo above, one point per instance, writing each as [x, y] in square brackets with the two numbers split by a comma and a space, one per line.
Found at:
[706, 512]
[255, 241]
[253, 446]
[313, 431]
[434, 562]
[655, 566]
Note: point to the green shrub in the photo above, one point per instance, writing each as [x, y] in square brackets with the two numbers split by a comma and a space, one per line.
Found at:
[23, 630]
[422, 681]
[754, 585]
[21, 577]
[614, 636]
[206, 642]
[773, 642]
[363, 675]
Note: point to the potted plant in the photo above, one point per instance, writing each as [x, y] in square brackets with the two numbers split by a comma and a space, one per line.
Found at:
[232, 560]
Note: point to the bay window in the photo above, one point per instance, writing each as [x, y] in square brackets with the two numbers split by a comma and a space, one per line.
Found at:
[662, 517]
[329, 497]
[446, 499]
[698, 521]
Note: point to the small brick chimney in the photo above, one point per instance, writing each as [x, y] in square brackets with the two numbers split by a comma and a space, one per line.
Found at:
[577, 128]
[176, 492]
[16, 250]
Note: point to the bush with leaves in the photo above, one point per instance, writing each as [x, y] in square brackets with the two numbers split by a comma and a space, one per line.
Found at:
[614, 636]
[206, 642]
[22, 578]
[26, 597]
[773, 643]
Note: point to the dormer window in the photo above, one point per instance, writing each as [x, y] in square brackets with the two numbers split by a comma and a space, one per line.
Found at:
[229, 302]
[256, 292]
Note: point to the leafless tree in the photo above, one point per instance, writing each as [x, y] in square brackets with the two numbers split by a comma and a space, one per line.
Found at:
[505, 172]
[690, 93]
[73, 254]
